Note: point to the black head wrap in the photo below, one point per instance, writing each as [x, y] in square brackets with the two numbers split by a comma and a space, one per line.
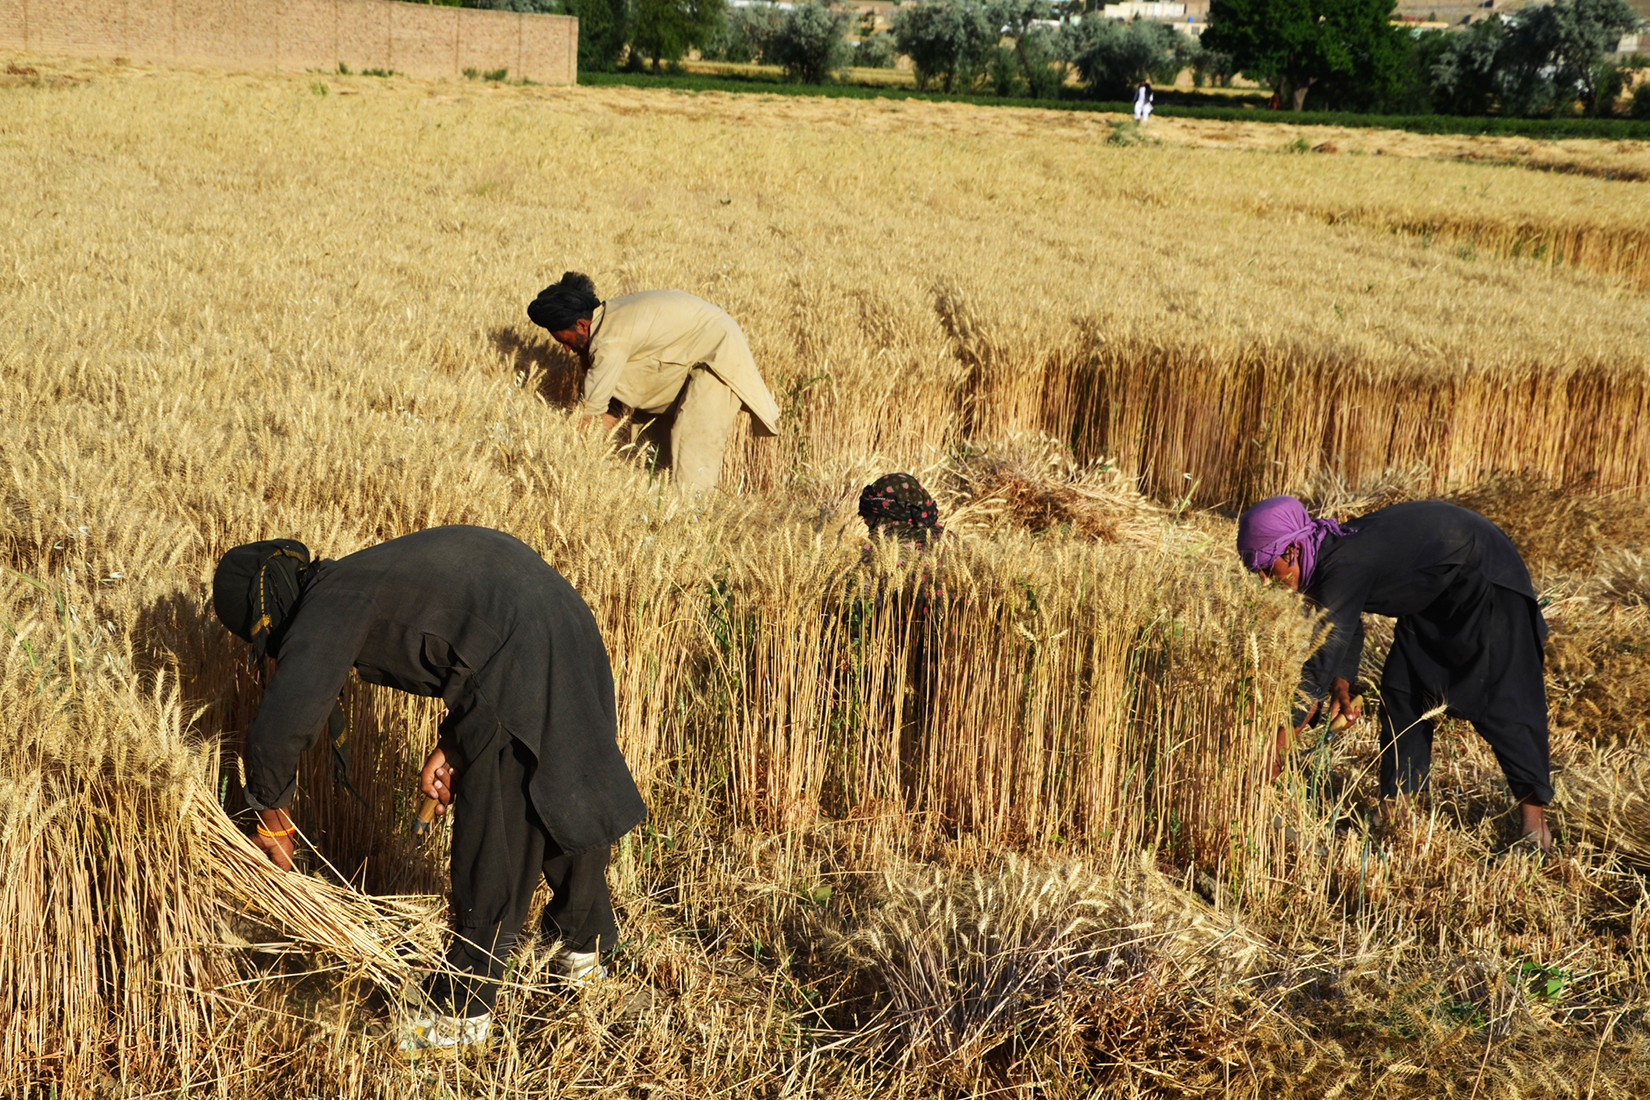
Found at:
[560, 305]
[897, 504]
[255, 588]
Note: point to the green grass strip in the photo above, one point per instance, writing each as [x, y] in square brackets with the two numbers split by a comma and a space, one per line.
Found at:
[1611, 128]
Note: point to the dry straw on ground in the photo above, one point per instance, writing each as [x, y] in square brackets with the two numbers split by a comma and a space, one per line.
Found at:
[1025, 967]
[240, 308]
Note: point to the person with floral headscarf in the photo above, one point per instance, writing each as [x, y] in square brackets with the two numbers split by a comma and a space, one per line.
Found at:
[1469, 633]
[897, 505]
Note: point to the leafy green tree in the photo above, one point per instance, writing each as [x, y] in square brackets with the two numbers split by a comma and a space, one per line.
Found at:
[1209, 67]
[1113, 57]
[1003, 76]
[1167, 69]
[1346, 49]
[1464, 71]
[875, 51]
[952, 41]
[812, 43]
[746, 33]
[1553, 55]
[604, 31]
[1412, 90]
[1215, 67]
[664, 30]
[1044, 60]
[1610, 80]
[1038, 62]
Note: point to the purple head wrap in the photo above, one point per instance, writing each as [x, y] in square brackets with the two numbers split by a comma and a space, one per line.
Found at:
[1266, 529]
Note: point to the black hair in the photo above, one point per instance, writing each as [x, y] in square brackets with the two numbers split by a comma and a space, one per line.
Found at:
[560, 305]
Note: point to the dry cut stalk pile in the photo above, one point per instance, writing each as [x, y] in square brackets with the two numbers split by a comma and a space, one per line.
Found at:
[242, 306]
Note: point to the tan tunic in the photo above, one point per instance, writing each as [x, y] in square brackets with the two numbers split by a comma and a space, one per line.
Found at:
[643, 347]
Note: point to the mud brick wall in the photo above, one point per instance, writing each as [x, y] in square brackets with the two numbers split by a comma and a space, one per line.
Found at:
[415, 39]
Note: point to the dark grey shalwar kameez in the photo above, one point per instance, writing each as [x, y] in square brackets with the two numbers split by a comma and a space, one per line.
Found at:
[477, 618]
[1469, 634]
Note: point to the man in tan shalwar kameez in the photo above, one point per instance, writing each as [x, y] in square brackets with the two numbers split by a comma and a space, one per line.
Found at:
[647, 350]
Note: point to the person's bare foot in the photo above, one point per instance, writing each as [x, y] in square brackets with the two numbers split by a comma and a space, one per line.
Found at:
[1534, 825]
[1394, 812]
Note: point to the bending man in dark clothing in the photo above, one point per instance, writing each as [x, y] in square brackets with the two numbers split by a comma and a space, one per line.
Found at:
[1469, 634]
[477, 618]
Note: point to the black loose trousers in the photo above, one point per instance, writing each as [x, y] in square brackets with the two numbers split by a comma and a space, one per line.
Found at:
[500, 848]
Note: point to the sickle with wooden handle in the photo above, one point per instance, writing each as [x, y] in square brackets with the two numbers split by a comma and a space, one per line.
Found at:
[420, 829]
[426, 817]
[1340, 722]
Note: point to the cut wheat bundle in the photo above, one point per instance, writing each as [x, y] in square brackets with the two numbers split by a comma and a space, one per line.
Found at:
[1605, 802]
[1102, 965]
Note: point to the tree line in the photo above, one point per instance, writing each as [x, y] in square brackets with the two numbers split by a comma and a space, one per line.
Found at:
[1346, 55]
[1342, 55]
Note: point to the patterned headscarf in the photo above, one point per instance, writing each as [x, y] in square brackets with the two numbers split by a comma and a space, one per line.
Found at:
[897, 504]
[1267, 529]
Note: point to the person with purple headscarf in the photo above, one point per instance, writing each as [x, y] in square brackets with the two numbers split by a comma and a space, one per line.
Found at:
[1469, 632]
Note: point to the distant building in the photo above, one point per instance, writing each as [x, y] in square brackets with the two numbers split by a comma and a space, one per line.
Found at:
[1189, 17]
[1452, 13]
[881, 13]
[1141, 9]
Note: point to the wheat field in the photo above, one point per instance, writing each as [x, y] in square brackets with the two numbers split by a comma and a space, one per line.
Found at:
[998, 820]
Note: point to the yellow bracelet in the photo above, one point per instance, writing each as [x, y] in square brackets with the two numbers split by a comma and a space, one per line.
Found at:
[273, 836]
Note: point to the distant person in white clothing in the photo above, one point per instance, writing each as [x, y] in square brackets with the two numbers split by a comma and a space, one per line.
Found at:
[1143, 101]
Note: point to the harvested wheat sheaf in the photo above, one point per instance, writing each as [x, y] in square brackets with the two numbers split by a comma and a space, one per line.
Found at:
[1606, 803]
[126, 880]
[1029, 963]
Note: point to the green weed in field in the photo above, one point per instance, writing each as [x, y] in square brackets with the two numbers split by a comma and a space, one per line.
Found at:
[1128, 133]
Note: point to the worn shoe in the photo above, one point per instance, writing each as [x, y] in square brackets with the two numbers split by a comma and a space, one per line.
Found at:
[438, 1034]
[579, 968]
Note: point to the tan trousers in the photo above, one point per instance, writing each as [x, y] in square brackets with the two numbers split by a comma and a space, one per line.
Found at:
[704, 420]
